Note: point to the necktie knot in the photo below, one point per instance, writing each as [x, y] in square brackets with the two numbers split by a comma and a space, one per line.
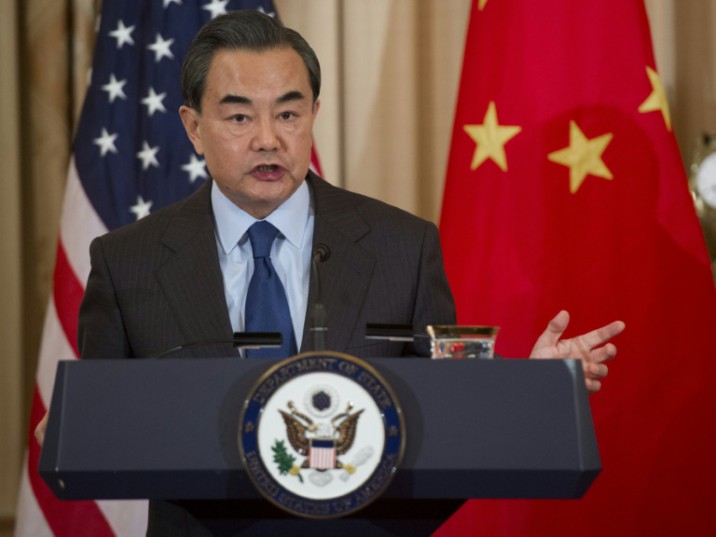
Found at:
[262, 234]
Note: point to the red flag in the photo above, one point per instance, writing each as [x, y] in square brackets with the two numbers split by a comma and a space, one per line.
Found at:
[565, 189]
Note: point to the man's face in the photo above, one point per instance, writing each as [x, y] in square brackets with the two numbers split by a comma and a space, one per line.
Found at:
[255, 126]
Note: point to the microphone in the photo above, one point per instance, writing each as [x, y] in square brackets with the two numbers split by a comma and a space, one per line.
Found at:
[240, 340]
[318, 326]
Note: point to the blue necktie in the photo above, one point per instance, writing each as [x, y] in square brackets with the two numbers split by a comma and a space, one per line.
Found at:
[266, 302]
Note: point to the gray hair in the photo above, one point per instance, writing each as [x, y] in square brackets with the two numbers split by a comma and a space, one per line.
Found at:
[249, 30]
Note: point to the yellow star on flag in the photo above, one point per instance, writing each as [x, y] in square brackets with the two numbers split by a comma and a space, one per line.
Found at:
[490, 138]
[481, 4]
[656, 101]
[583, 156]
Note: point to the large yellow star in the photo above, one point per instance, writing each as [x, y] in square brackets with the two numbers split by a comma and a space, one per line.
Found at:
[490, 138]
[481, 4]
[583, 156]
[656, 101]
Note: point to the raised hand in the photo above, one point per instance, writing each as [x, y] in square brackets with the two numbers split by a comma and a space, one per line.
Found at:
[592, 348]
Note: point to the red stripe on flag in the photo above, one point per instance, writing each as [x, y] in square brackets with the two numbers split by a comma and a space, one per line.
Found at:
[68, 292]
[63, 517]
[315, 162]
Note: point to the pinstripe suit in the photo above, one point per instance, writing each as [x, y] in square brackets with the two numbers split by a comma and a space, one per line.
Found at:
[156, 283]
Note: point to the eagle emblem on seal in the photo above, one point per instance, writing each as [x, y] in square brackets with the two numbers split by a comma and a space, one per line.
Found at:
[321, 443]
[320, 439]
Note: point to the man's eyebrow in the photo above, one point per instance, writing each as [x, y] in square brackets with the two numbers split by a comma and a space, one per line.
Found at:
[290, 96]
[235, 99]
[240, 99]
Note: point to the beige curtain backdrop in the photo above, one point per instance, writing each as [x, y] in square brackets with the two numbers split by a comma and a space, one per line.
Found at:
[11, 393]
[45, 48]
[391, 72]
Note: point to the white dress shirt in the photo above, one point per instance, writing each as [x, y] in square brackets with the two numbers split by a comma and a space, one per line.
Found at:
[290, 253]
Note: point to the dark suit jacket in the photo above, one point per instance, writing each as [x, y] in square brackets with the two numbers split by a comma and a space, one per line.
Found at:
[156, 284]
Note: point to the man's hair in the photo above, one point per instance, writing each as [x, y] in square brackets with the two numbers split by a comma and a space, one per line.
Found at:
[236, 30]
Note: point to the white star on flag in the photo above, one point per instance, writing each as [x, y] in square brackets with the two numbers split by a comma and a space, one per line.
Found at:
[106, 142]
[114, 88]
[122, 34]
[269, 13]
[153, 102]
[161, 48]
[217, 7]
[141, 208]
[148, 156]
[196, 168]
[167, 2]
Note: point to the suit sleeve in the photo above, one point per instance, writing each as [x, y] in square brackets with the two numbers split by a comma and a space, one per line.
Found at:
[100, 331]
[434, 302]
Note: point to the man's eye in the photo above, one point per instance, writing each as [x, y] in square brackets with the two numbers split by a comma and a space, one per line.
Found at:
[286, 115]
[240, 118]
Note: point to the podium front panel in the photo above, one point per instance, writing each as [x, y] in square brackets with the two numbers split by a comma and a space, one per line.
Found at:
[159, 429]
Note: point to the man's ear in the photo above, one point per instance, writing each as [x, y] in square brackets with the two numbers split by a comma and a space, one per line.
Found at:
[190, 118]
[316, 106]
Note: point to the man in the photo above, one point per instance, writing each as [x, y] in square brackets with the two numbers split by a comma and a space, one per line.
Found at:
[183, 274]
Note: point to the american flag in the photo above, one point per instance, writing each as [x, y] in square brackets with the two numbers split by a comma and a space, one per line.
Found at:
[131, 157]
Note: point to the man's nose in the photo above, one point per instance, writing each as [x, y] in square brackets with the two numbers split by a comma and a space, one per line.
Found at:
[265, 138]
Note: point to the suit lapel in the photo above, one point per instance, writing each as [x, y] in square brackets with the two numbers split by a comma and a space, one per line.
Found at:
[191, 279]
[345, 275]
[192, 283]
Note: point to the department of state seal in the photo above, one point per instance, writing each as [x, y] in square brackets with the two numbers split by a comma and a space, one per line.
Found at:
[321, 434]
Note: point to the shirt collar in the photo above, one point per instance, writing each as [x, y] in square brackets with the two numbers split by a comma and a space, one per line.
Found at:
[290, 218]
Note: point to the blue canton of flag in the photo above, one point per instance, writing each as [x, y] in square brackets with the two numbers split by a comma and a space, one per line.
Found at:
[131, 152]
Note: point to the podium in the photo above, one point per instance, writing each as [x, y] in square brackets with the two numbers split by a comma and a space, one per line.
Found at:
[168, 430]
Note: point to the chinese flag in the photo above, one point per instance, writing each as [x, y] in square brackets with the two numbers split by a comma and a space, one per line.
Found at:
[565, 189]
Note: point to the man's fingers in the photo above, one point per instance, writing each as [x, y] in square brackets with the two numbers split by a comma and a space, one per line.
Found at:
[596, 371]
[593, 375]
[40, 429]
[555, 329]
[602, 335]
[593, 386]
[559, 323]
[602, 354]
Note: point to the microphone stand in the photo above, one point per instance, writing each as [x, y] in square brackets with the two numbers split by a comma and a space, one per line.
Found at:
[319, 325]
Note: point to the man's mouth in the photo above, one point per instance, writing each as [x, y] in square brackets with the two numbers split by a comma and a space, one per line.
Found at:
[263, 168]
[267, 172]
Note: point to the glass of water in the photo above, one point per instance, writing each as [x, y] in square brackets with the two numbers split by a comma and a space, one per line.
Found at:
[450, 341]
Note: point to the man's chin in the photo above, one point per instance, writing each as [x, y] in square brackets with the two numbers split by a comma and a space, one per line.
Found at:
[261, 204]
